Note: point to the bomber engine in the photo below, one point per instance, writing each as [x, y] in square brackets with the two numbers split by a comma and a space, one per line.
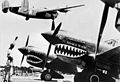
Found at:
[5, 6]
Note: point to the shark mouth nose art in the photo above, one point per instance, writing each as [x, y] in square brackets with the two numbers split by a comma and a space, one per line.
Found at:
[34, 59]
[69, 51]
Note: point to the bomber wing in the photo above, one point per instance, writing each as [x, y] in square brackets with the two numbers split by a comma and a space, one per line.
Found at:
[65, 9]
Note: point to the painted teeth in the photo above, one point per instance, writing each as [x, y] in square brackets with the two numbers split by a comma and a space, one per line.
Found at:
[69, 51]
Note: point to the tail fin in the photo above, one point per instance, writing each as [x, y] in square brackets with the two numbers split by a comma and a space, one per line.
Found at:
[25, 6]
[5, 6]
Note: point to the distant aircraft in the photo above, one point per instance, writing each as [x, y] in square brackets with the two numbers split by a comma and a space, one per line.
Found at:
[71, 55]
[44, 13]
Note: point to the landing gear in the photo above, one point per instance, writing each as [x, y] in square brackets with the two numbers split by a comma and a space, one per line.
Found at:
[88, 76]
[46, 76]
[27, 18]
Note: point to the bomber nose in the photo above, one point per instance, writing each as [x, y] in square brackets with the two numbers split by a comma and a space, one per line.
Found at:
[23, 50]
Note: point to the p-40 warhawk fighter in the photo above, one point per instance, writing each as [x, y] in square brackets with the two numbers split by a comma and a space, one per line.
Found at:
[71, 55]
[44, 13]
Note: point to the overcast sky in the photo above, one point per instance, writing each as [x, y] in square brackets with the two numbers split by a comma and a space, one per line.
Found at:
[84, 22]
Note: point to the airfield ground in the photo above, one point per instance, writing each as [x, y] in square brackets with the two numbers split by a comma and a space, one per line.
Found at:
[68, 78]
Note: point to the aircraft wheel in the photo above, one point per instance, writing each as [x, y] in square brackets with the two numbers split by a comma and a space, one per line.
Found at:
[27, 18]
[94, 78]
[46, 75]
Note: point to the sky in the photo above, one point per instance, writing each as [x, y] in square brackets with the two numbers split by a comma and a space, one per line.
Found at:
[84, 22]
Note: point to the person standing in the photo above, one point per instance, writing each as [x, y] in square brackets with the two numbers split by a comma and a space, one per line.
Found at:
[9, 63]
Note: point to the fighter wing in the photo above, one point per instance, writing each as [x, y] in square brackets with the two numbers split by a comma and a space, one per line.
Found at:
[64, 67]
[110, 61]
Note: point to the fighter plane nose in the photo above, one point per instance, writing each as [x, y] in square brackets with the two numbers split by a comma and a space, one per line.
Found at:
[44, 35]
[51, 38]
[23, 50]
[47, 36]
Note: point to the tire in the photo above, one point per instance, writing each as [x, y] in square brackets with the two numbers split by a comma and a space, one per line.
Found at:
[46, 76]
[27, 18]
[94, 78]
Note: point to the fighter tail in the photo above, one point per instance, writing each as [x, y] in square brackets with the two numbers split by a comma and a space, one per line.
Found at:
[25, 6]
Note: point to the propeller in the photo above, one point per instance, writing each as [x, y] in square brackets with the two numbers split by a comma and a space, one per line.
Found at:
[27, 41]
[25, 46]
[12, 45]
[53, 25]
[49, 48]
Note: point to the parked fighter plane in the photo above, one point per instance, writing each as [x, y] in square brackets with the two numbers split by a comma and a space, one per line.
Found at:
[71, 55]
[107, 62]
[27, 12]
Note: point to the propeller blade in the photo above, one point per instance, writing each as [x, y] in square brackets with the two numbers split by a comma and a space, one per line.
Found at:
[16, 38]
[22, 59]
[27, 41]
[53, 25]
[55, 32]
[57, 29]
[25, 46]
[12, 45]
[48, 50]
[103, 22]
[47, 56]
